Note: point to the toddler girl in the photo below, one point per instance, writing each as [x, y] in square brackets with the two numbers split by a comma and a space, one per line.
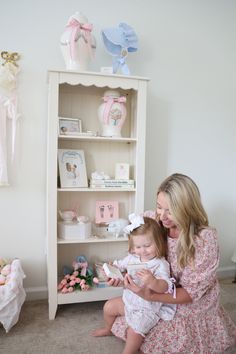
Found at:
[147, 247]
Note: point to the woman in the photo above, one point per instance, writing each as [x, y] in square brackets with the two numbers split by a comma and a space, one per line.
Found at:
[200, 325]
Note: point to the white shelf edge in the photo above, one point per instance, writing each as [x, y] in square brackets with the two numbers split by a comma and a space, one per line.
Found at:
[97, 138]
[94, 294]
[96, 189]
[90, 240]
[98, 73]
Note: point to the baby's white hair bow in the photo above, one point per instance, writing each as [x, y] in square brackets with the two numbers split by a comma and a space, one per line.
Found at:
[136, 221]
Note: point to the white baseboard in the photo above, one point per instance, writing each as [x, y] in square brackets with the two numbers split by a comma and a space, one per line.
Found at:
[226, 272]
[36, 293]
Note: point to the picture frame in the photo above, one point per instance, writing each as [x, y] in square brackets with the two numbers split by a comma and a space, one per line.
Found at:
[72, 168]
[122, 171]
[70, 126]
[106, 211]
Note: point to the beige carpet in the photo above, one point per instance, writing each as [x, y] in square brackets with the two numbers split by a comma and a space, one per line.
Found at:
[70, 332]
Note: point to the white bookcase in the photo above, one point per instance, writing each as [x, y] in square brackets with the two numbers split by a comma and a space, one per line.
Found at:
[78, 95]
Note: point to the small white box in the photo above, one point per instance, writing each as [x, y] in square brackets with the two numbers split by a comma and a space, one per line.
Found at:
[74, 230]
[106, 69]
[122, 171]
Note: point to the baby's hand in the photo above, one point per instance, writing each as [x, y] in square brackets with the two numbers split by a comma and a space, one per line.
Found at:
[145, 276]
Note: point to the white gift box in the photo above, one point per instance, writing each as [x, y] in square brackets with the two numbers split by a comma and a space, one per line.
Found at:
[74, 230]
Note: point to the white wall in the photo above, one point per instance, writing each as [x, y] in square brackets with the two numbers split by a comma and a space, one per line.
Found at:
[187, 49]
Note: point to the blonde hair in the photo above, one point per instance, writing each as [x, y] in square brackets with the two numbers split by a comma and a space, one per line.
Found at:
[152, 228]
[187, 212]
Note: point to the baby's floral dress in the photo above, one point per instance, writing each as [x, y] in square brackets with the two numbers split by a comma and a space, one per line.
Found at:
[201, 327]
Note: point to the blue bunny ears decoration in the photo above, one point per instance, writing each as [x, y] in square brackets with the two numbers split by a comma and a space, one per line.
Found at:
[118, 42]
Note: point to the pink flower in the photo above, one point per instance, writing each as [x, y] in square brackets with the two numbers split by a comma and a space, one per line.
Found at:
[76, 273]
[72, 277]
[72, 282]
[95, 280]
[77, 280]
[70, 289]
[64, 282]
[60, 286]
[64, 290]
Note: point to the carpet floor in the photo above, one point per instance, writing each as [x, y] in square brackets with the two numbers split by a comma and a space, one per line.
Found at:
[70, 332]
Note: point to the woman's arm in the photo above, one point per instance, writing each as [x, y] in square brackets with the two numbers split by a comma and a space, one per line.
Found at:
[182, 297]
[150, 281]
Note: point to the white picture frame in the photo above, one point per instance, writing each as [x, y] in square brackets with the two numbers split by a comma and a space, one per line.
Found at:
[122, 171]
[70, 126]
[72, 169]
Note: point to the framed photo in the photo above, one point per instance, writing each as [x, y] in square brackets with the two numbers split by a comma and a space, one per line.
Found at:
[106, 211]
[122, 171]
[70, 126]
[72, 168]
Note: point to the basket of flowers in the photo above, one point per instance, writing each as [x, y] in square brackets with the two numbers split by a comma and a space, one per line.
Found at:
[77, 277]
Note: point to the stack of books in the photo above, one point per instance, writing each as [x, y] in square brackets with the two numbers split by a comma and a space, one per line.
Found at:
[112, 183]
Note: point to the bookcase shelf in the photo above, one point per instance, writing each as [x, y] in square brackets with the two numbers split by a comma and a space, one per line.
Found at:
[78, 95]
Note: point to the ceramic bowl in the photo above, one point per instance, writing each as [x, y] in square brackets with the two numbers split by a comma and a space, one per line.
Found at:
[67, 215]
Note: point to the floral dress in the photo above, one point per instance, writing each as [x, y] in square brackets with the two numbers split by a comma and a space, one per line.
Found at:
[201, 327]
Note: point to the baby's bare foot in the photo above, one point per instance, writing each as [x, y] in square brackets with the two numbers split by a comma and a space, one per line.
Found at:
[102, 332]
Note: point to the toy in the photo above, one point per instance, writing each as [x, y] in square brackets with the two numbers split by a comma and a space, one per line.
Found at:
[117, 227]
[4, 272]
[3, 262]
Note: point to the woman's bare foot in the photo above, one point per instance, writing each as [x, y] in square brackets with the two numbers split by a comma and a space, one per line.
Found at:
[102, 332]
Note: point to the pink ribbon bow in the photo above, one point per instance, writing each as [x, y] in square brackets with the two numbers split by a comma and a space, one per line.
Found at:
[109, 103]
[76, 27]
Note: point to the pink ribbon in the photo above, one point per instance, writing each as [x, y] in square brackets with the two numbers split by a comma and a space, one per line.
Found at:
[109, 101]
[76, 27]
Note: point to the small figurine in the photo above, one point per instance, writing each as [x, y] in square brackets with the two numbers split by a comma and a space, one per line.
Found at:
[117, 227]
[119, 41]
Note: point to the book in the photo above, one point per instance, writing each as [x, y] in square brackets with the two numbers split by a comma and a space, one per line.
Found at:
[99, 272]
[111, 186]
[112, 181]
[112, 271]
[132, 269]
[72, 168]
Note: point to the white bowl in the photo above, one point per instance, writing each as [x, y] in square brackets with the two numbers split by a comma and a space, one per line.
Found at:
[67, 215]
